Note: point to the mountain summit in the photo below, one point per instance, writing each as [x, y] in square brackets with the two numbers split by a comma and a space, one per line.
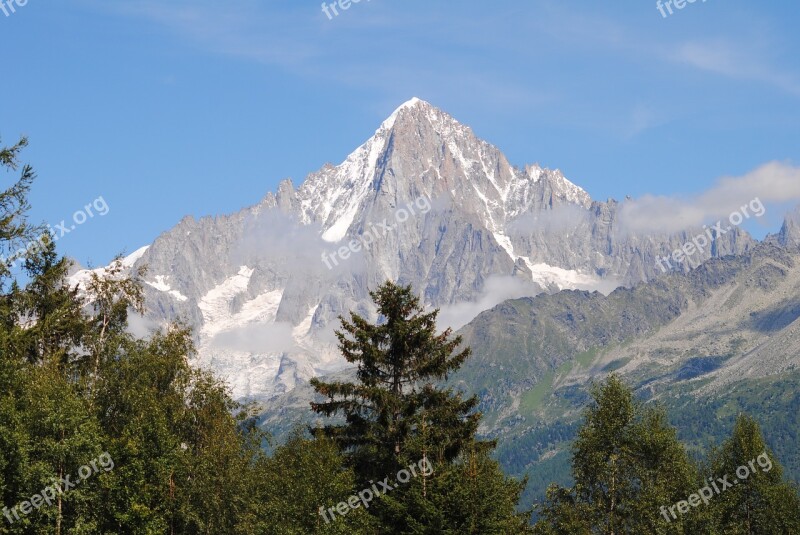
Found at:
[422, 202]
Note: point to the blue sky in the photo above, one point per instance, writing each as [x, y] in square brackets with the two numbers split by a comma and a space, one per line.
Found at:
[167, 109]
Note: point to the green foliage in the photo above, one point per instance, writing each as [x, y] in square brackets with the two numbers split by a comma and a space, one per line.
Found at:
[470, 496]
[396, 404]
[703, 422]
[630, 472]
[626, 462]
[187, 459]
[760, 502]
[303, 476]
[15, 231]
[75, 385]
[397, 415]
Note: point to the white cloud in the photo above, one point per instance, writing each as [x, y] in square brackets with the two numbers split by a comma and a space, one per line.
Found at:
[774, 182]
[496, 290]
[734, 61]
[262, 338]
[245, 30]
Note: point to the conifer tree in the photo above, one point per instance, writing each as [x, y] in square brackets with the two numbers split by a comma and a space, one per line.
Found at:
[50, 312]
[399, 414]
[399, 360]
[15, 231]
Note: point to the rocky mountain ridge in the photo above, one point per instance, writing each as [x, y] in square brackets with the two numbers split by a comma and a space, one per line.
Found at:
[264, 303]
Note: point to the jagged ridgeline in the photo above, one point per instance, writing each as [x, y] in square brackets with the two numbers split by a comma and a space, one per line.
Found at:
[422, 202]
[708, 345]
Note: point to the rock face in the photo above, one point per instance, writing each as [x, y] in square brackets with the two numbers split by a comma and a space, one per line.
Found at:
[422, 202]
[731, 325]
[789, 235]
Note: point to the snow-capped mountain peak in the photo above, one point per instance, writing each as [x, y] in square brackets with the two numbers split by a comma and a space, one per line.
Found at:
[264, 287]
[447, 160]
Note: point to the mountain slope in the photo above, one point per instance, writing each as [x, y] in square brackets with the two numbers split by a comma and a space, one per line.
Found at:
[707, 344]
[422, 202]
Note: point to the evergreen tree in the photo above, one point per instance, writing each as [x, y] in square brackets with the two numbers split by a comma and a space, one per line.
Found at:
[49, 311]
[398, 361]
[15, 231]
[397, 415]
[47, 430]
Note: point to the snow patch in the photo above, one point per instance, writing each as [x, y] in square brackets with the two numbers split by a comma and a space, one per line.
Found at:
[568, 279]
[161, 285]
[134, 257]
[215, 305]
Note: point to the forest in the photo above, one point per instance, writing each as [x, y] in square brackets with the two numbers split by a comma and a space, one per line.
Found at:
[102, 432]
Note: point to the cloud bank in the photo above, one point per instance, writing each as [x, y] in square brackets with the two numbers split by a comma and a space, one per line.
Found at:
[774, 182]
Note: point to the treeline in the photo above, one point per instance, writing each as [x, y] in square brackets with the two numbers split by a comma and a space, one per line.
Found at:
[101, 432]
[79, 395]
[104, 433]
[632, 475]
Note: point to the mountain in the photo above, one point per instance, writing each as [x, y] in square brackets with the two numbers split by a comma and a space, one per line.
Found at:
[707, 344]
[422, 202]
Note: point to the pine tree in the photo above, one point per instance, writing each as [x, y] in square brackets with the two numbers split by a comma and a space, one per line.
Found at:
[398, 415]
[15, 231]
[13, 439]
[49, 311]
[398, 361]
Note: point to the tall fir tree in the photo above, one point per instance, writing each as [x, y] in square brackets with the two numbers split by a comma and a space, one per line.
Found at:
[15, 231]
[399, 362]
[399, 414]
